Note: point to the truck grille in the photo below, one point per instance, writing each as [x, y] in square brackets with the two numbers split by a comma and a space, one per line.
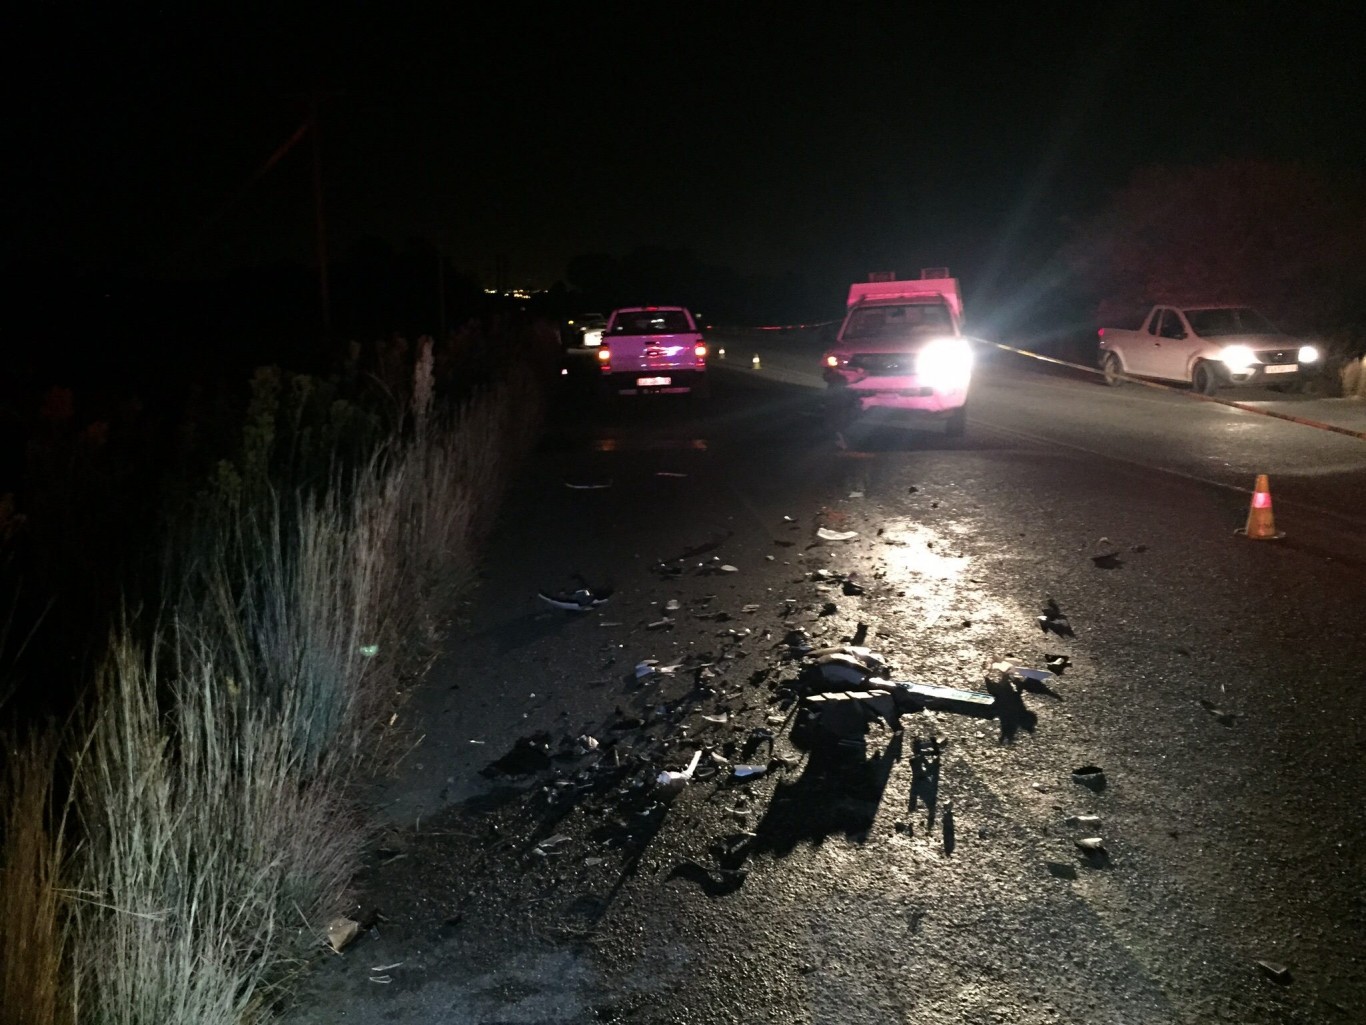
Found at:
[1277, 356]
[883, 364]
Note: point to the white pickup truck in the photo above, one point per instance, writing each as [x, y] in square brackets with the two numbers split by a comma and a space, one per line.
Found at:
[1207, 347]
[900, 352]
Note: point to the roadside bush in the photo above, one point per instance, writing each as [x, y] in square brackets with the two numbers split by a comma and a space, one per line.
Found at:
[171, 855]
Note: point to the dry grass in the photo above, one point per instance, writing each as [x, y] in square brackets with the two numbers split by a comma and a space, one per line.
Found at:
[1354, 378]
[209, 784]
[31, 858]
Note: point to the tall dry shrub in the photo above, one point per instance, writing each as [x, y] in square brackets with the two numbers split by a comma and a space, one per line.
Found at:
[31, 861]
[210, 844]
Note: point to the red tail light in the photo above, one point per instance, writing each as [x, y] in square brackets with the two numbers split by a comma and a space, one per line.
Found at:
[604, 355]
[1101, 333]
[832, 361]
[700, 350]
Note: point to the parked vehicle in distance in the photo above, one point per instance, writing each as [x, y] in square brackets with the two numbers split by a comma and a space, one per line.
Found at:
[1207, 347]
[900, 353]
[653, 350]
[585, 331]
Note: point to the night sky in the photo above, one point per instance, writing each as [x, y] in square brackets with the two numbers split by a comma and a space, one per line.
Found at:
[826, 140]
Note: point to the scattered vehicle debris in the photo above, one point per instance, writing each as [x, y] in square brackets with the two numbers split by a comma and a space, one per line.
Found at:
[581, 599]
[1107, 560]
[1224, 718]
[341, 931]
[675, 781]
[660, 624]
[1089, 821]
[1013, 670]
[1054, 621]
[669, 473]
[748, 771]
[1090, 776]
[1276, 972]
[1057, 663]
[595, 485]
[1090, 843]
[826, 534]
[672, 605]
[550, 845]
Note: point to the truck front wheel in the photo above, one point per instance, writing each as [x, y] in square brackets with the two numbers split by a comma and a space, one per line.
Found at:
[1113, 371]
[1203, 379]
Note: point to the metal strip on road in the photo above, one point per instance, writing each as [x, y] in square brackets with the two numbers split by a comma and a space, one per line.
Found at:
[1320, 425]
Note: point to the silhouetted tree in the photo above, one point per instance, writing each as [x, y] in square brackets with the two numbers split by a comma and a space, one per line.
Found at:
[1284, 238]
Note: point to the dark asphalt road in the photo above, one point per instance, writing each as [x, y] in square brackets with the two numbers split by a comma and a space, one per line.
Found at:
[1232, 837]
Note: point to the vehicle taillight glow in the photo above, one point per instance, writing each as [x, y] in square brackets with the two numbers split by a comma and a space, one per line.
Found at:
[1101, 333]
[700, 350]
[832, 361]
[604, 354]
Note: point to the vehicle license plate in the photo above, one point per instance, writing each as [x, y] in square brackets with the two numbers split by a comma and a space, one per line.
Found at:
[653, 382]
[1281, 368]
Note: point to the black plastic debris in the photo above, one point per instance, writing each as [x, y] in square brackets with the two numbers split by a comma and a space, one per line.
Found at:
[1054, 621]
[913, 697]
[528, 755]
[829, 609]
[1224, 718]
[1057, 663]
[852, 588]
[1090, 776]
[582, 598]
[1107, 560]
[1276, 972]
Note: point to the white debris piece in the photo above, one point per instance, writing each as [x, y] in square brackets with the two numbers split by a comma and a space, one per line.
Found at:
[826, 534]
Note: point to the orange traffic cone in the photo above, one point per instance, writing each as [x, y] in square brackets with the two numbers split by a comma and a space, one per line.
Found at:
[1261, 524]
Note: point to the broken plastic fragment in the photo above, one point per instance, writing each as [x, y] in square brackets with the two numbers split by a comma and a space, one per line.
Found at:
[595, 485]
[826, 534]
[1090, 776]
[672, 605]
[1090, 821]
[1009, 669]
[1275, 971]
[1091, 843]
[580, 600]
[678, 780]
[751, 608]
[341, 931]
[745, 771]
[728, 568]
[669, 473]
[646, 668]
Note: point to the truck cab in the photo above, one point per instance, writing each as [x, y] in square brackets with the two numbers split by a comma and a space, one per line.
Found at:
[900, 353]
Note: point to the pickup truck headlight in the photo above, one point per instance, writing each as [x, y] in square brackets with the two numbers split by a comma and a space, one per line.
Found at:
[1238, 358]
[945, 365]
[1309, 354]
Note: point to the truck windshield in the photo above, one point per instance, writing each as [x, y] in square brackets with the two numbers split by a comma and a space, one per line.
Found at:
[1229, 320]
[652, 322]
[897, 321]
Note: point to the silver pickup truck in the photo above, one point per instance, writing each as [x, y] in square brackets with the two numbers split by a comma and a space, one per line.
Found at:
[1207, 347]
